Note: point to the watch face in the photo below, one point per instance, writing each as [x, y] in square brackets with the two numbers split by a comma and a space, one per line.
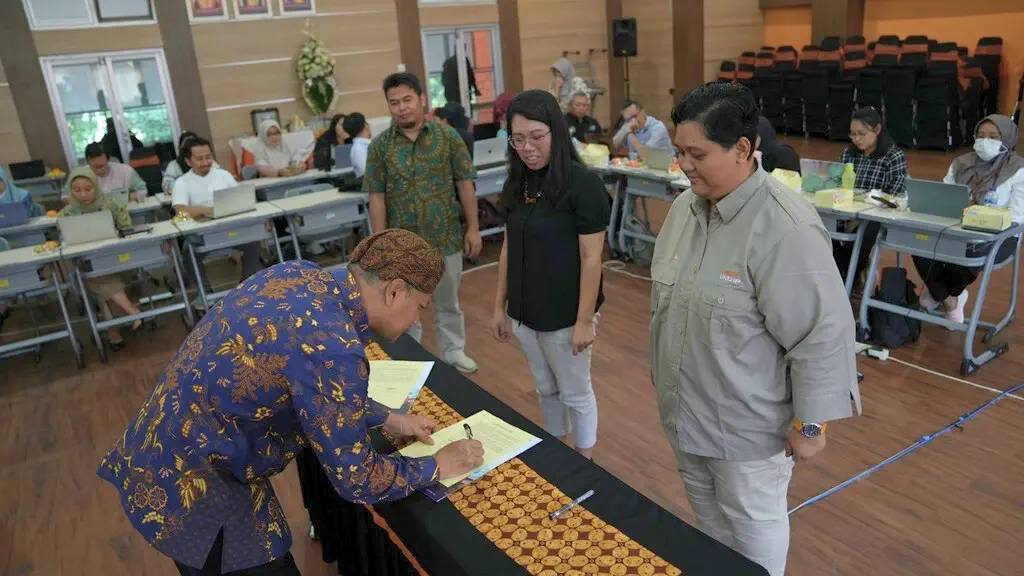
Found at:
[811, 430]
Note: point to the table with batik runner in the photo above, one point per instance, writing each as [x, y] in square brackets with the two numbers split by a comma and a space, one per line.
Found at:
[500, 524]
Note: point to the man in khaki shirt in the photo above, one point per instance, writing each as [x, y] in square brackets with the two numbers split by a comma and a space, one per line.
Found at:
[752, 334]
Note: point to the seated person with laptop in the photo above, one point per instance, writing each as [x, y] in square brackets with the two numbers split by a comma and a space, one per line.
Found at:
[118, 180]
[356, 125]
[87, 198]
[194, 195]
[994, 175]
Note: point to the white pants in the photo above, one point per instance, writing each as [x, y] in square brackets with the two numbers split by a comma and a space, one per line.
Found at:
[563, 383]
[448, 318]
[742, 504]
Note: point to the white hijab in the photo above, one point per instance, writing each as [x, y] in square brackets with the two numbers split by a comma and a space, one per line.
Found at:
[280, 156]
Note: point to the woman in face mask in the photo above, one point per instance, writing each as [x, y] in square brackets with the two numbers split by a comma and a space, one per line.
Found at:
[995, 175]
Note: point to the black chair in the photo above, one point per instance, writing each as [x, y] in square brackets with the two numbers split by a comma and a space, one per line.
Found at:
[840, 110]
[770, 95]
[870, 85]
[989, 53]
[937, 119]
[793, 102]
[898, 96]
[814, 91]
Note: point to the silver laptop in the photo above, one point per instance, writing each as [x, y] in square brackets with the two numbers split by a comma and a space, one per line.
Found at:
[656, 158]
[234, 200]
[489, 152]
[87, 228]
[13, 215]
[937, 198]
[831, 173]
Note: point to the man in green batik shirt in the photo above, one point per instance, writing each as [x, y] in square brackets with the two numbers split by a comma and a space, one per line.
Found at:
[411, 170]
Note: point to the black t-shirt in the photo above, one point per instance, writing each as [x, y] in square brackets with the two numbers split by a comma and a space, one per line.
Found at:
[580, 129]
[544, 250]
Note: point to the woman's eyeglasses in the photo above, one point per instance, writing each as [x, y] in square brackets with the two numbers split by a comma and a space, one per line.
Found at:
[518, 141]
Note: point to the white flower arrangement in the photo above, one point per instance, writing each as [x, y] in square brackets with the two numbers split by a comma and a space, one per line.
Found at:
[315, 67]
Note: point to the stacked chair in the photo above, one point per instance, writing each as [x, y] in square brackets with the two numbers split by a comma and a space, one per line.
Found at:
[989, 53]
[930, 94]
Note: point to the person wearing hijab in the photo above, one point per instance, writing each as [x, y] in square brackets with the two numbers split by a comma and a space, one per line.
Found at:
[995, 175]
[11, 194]
[772, 153]
[279, 364]
[565, 83]
[87, 197]
[274, 157]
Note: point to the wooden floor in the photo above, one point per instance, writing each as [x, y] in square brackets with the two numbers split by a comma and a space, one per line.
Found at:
[954, 507]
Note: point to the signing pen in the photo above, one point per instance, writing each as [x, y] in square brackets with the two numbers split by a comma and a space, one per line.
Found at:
[469, 431]
[554, 515]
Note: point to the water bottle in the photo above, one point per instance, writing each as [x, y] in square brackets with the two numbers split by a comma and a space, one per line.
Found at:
[849, 178]
[991, 197]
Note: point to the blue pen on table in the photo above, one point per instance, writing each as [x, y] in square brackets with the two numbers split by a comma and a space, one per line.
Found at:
[469, 431]
[554, 515]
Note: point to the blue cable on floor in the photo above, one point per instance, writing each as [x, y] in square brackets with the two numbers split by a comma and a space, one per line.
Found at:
[921, 442]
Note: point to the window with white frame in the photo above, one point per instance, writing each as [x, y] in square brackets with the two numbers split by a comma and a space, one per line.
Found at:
[47, 14]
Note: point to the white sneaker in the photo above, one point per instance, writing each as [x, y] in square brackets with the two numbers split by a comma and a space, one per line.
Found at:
[197, 303]
[928, 303]
[315, 249]
[958, 314]
[463, 363]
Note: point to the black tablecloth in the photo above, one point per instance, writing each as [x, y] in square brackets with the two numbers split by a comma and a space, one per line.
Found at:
[446, 544]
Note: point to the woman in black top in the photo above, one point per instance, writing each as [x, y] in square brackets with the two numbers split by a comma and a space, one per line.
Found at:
[549, 275]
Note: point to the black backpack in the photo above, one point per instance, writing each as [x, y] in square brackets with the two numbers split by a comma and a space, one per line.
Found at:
[889, 329]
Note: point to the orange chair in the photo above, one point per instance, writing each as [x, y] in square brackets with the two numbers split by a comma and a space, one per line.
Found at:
[744, 72]
[785, 58]
[747, 58]
[809, 57]
[764, 61]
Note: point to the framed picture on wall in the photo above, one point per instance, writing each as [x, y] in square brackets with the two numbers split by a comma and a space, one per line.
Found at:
[207, 10]
[297, 7]
[252, 9]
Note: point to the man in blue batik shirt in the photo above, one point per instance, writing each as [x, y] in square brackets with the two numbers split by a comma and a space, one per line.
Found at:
[639, 129]
[278, 365]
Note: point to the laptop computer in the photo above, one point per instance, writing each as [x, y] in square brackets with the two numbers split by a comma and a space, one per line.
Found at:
[937, 198]
[343, 156]
[656, 158]
[27, 170]
[489, 152]
[234, 200]
[831, 173]
[13, 215]
[87, 228]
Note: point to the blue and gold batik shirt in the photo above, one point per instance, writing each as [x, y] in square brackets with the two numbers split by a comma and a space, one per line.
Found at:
[277, 365]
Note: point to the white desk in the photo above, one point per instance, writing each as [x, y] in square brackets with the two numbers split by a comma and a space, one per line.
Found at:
[835, 219]
[206, 236]
[43, 187]
[19, 277]
[274, 188]
[638, 183]
[144, 211]
[29, 234]
[106, 257]
[942, 240]
[324, 216]
[490, 181]
[163, 199]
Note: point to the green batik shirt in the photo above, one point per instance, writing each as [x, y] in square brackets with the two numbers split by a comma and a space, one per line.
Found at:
[418, 181]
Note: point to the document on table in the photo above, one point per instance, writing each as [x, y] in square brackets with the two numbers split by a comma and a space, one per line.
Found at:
[393, 383]
[502, 442]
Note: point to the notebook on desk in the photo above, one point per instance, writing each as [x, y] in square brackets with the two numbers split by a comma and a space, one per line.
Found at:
[234, 200]
[937, 198]
[13, 215]
[489, 152]
[87, 228]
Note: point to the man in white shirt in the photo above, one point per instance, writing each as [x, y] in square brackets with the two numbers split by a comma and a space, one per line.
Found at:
[193, 195]
[356, 125]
